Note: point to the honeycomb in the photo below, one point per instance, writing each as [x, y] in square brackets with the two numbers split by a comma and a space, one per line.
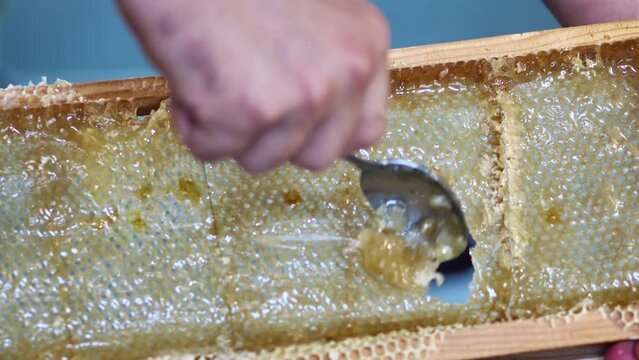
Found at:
[278, 295]
[447, 124]
[625, 316]
[116, 243]
[104, 254]
[572, 168]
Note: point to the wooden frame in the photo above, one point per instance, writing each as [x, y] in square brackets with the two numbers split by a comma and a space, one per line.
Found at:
[526, 336]
[148, 92]
[486, 340]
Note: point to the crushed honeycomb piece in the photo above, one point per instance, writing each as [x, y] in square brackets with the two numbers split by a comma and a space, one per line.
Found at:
[385, 254]
[40, 95]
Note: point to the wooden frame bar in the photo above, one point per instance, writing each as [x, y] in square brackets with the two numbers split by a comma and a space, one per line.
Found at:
[530, 336]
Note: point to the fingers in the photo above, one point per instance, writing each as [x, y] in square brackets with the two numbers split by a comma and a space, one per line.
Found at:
[305, 139]
[216, 145]
[329, 140]
[264, 128]
[207, 141]
[372, 122]
[359, 122]
[306, 88]
[183, 121]
[579, 12]
[276, 146]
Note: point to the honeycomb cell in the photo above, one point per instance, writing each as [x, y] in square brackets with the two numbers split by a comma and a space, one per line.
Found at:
[573, 165]
[32, 287]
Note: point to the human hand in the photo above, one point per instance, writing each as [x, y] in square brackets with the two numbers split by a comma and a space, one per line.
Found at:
[269, 81]
[625, 350]
[584, 12]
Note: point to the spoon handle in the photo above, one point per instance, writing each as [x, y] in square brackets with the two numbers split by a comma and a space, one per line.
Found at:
[360, 163]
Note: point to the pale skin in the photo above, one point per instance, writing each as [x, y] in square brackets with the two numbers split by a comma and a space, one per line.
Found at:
[266, 82]
[269, 81]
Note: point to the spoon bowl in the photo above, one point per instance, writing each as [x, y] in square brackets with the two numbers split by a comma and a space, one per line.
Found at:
[420, 207]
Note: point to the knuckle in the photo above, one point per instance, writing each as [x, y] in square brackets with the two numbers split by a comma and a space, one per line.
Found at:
[166, 25]
[196, 108]
[316, 162]
[207, 149]
[383, 42]
[371, 131]
[379, 30]
[259, 112]
[197, 150]
[316, 95]
[251, 166]
[384, 38]
[246, 165]
[360, 67]
[379, 22]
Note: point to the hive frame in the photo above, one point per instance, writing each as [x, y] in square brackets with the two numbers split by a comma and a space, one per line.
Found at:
[500, 339]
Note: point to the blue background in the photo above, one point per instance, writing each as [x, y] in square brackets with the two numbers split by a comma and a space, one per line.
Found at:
[82, 40]
[86, 40]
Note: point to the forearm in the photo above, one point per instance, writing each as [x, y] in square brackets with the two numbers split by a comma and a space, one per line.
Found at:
[582, 12]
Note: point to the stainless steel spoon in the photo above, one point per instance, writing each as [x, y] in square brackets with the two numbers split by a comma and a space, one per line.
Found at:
[430, 208]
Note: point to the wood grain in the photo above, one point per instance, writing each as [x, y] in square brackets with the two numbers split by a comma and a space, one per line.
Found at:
[514, 45]
[581, 352]
[526, 336]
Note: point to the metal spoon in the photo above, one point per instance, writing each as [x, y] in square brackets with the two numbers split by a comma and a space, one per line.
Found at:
[431, 210]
